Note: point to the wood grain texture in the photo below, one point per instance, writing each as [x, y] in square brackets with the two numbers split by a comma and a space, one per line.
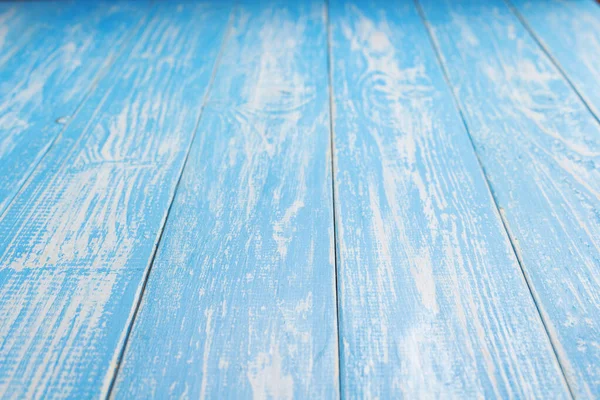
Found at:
[240, 302]
[570, 33]
[50, 56]
[540, 149]
[76, 243]
[433, 303]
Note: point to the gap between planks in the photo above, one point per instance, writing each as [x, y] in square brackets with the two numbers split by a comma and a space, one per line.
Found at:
[333, 195]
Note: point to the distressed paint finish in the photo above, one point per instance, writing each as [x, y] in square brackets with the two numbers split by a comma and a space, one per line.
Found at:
[50, 56]
[570, 33]
[18, 24]
[432, 300]
[240, 302]
[540, 149]
[75, 244]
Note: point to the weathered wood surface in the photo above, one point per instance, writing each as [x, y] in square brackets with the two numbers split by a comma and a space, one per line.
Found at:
[76, 243]
[101, 104]
[569, 31]
[50, 56]
[241, 299]
[432, 300]
[540, 147]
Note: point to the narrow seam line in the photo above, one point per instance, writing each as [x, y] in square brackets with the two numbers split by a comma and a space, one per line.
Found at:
[333, 194]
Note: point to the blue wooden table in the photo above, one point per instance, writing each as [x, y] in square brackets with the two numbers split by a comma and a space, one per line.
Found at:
[300, 199]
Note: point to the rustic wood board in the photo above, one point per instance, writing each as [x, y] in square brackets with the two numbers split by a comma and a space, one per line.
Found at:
[569, 31]
[51, 54]
[539, 146]
[241, 299]
[76, 242]
[433, 303]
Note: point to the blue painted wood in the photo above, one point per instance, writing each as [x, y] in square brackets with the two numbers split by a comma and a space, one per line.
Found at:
[18, 24]
[540, 147]
[240, 302]
[76, 242]
[50, 56]
[433, 303]
[569, 31]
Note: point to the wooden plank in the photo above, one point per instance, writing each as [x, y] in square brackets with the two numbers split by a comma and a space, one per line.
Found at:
[50, 56]
[569, 31]
[240, 302]
[539, 146]
[433, 303]
[75, 244]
